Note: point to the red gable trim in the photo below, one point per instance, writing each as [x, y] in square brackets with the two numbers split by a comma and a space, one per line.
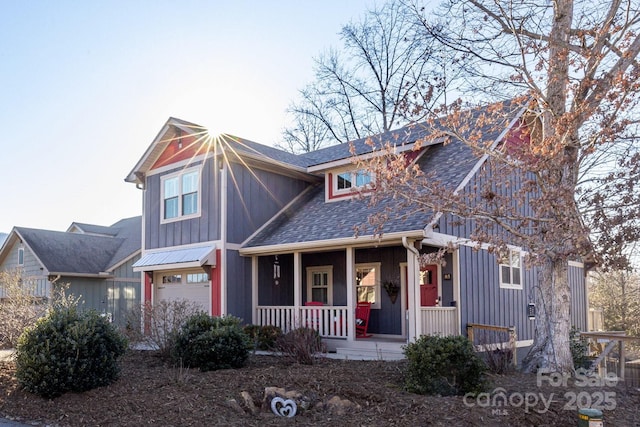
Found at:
[181, 147]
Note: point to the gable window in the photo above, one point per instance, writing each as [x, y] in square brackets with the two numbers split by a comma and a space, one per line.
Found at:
[368, 283]
[20, 256]
[345, 181]
[180, 195]
[511, 270]
[320, 284]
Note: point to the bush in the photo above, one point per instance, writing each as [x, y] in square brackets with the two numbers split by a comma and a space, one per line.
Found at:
[68, 350]
[443, 365]
[579, 347]
[301, 345]
[263, 337]
[211, 343]
[162, 322]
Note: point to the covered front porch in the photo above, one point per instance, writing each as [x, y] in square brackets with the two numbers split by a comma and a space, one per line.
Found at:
[425, 300]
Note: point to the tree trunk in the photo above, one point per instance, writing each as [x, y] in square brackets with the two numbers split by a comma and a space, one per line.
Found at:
[551, 351]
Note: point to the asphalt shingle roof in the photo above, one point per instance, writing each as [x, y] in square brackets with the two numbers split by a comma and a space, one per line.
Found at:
[311, 218]
[78, 253]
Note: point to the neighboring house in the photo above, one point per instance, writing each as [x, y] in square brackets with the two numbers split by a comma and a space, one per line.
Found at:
[95, 261]
[3, 237]
[252, 231]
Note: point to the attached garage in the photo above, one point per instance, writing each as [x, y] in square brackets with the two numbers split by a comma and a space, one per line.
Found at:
[182, 274]
[191, 285]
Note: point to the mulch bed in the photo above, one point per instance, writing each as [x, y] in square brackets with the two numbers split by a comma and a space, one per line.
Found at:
[150, 392]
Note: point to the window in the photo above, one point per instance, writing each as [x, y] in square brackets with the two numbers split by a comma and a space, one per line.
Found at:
[180, 195]
[197, 278]
[345, 181]
[320, 284]
[510, 270]
[173, 278]
[20, 256]
[368, 283]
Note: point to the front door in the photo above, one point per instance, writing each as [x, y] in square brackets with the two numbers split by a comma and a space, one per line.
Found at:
[429, 286]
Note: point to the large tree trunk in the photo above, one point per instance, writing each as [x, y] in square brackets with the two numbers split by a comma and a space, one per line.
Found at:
[551, 351]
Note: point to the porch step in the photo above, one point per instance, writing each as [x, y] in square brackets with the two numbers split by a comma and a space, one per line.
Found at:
[368, 353]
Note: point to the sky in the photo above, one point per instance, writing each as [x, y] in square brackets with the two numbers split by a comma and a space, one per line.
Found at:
[85, 86]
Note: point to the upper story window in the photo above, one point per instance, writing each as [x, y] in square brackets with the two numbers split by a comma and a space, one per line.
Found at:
[368, 283]
[180, 195]
[511, 270]
[20, 256]
[344, 182]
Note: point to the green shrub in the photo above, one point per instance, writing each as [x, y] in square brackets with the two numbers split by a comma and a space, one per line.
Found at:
[301, 345]
[68, 350]
[211, 343]
[443, 365]
[579, 347]
[263, 337]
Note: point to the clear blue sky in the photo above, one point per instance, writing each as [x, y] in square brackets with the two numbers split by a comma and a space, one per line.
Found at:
[86, 86]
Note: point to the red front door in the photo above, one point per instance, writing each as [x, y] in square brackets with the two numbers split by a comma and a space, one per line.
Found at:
[429, 285]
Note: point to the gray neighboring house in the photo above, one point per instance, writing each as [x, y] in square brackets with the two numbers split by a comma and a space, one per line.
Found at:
[96, 261]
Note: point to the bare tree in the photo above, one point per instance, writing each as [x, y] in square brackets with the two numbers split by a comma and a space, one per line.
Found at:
[572, 67]
[385, 75]
[617, 293]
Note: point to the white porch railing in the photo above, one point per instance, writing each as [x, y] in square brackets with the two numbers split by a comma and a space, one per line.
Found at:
[330, 322]
[439, 321]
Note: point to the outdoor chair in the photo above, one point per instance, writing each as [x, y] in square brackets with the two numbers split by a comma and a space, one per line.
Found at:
[363, 310]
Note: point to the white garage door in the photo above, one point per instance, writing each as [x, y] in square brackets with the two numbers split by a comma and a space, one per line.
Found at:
[193, 287]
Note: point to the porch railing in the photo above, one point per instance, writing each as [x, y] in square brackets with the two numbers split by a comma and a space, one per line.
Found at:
[439, 321]
[329, 321]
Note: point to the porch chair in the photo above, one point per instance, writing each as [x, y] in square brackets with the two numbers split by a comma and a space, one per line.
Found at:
[313, 316]
[363, 310]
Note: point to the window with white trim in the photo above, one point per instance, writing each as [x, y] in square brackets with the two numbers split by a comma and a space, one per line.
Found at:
[20, 256]
[348, 180]
[368, 283]
[180, 192]
[511, 270]
[320, 284]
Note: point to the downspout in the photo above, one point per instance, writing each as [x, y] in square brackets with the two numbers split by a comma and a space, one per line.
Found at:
[411, 315]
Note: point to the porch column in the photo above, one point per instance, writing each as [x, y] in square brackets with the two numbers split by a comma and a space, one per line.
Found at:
[413, 303]
[351, 295]
[254, 290]
[297, 285]
[456, 288]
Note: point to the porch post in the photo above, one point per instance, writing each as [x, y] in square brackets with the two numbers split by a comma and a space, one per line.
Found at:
[254, 290]
[297, 285]
[456, 289]
[351, 291]
[413, 303]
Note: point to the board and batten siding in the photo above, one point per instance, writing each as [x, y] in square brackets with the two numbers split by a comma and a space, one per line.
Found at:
[239, 293]
[204, 228]
[579, 305]
[32, 271]
[483, 301]
[254, 196]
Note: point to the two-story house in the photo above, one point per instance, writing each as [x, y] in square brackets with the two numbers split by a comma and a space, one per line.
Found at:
[256, 232]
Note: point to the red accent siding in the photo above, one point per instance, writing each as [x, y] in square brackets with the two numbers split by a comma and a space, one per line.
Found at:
[147, 286]
[148, 279]
[216, 297]
[180, 148]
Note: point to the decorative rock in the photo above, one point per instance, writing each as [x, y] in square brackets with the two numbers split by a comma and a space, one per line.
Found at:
[338, 406]
[233, 404]
[270, 393]
[248, 401]
[283, 407]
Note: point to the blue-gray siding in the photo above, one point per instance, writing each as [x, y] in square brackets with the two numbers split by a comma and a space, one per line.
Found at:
[203, 228]
[484, 301]
[238, 270]
[254, 196]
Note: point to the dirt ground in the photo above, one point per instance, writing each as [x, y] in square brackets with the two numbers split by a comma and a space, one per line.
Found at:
[151, 393]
